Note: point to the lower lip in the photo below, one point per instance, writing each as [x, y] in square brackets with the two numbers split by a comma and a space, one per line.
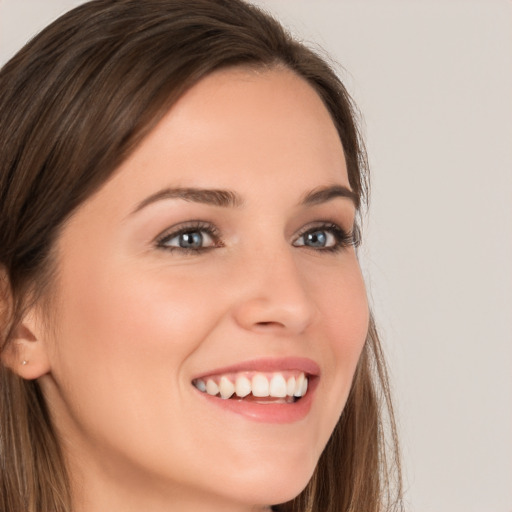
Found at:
[267, 413]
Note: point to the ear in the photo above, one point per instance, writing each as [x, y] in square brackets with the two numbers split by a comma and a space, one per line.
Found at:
[27, 352]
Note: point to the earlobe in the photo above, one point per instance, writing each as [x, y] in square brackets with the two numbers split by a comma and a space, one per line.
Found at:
[26, 353]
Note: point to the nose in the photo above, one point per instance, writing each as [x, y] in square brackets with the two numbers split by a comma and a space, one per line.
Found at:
[273, 295]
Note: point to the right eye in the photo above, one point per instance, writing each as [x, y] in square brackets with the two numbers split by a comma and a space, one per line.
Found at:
[190, 239]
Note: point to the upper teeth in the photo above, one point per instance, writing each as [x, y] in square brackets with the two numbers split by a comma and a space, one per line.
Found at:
[259, 384]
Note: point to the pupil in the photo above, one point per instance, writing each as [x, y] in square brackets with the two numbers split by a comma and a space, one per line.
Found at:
[316, 239]
[191, 240]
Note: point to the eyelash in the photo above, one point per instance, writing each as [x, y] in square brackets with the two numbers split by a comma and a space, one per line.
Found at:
[193, 227]
[342, 238]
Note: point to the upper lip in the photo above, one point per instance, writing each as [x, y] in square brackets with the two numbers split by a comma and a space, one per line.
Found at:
[268, 364]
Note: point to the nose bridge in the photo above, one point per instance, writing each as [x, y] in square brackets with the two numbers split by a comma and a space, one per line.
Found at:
[273, 293]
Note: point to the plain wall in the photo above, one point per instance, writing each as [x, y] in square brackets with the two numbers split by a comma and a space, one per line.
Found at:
[434, 82]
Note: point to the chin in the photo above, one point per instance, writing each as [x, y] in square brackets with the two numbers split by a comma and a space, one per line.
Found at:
[282, 491]
[272, 485]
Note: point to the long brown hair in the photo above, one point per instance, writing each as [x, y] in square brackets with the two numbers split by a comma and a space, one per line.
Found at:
[74, 102]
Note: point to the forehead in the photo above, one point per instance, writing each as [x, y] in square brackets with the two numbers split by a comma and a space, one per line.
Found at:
[262, 132]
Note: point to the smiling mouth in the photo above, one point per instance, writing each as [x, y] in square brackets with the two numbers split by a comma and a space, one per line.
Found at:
[257, 387]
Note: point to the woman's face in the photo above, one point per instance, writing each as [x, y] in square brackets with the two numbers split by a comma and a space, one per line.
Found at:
[219, 255]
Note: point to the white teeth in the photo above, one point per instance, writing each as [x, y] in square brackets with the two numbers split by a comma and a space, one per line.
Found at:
[260, 385]
[242, 386]
[304, 387]
[277, 386]
[199, 384]
[298, 385]
[290, 386]
[226, 388]
[211, 387]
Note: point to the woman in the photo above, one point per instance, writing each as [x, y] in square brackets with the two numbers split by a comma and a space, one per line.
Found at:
[184, 322]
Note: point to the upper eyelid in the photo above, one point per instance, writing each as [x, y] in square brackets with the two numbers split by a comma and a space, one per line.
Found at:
[189, 226]
[324, 224]
[208, 226]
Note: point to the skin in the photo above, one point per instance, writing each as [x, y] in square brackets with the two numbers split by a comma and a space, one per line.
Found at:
[134, 323]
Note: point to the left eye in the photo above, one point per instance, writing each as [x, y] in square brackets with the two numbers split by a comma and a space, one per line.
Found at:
[329, 237]
[317, 239]
[190, 239]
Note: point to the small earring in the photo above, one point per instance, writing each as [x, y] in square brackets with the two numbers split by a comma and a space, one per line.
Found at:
[24, 362]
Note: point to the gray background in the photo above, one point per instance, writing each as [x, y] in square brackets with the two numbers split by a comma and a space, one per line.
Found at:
[434, 81]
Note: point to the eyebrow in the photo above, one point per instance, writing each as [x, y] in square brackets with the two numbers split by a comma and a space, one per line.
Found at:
[223, 198]
[230, 199]
[323, 194]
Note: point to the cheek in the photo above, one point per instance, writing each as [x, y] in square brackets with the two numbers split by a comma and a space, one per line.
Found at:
[344, 317]
[124, 342]
[127, 339]
[344, 312]
[124, 316]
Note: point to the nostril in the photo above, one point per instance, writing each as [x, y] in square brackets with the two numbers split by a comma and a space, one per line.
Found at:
[266, 325]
